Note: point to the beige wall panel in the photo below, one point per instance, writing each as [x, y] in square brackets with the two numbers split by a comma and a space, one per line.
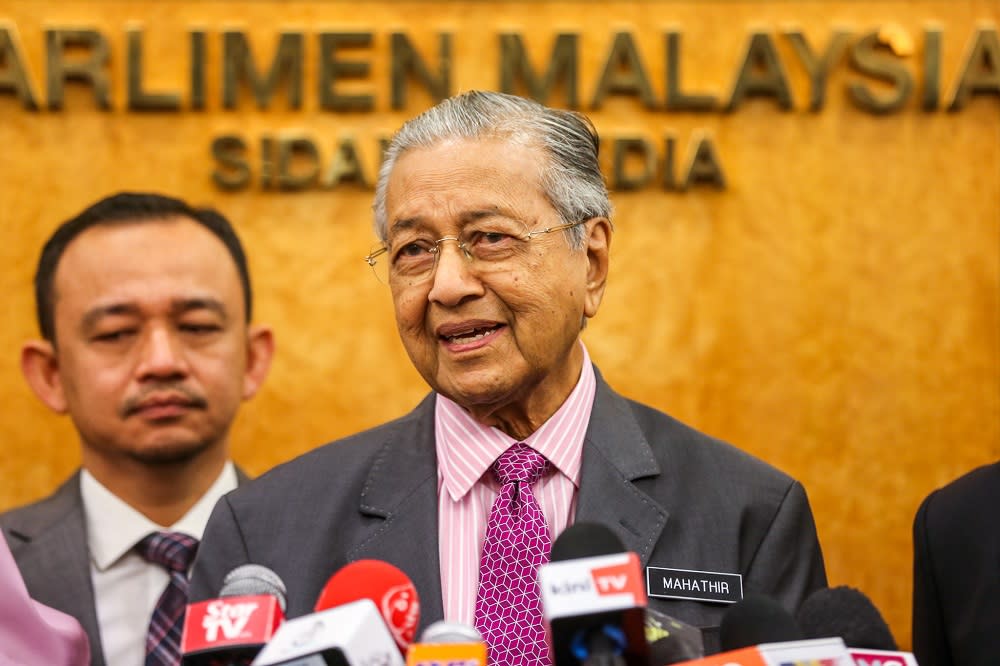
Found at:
[835, 310]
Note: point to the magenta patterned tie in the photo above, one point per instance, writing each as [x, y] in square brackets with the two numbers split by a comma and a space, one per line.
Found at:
[174, 552]
[508, 606]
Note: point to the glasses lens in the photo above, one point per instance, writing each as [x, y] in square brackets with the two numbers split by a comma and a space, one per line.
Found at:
[494, 243]
[379, 263]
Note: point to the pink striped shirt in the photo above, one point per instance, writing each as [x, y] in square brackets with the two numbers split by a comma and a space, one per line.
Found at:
[466, 450]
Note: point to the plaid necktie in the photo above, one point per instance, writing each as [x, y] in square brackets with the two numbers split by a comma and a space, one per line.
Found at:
[508, 605]
[174, 552]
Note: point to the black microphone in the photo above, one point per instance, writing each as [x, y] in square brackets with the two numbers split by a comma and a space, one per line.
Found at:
[845, 612]
[594, 600]
[754, 620]
[233, 628]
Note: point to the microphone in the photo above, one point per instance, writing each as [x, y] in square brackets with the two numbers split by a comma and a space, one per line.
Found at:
[355, 611]
[758, 631]
[757, 619]
[450, 643]
[233, 628]
[848, 613]
[594, 600]
[670, 640]
[813, 652]
[390, 590]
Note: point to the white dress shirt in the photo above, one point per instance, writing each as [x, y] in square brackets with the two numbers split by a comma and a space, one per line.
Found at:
[126, 587]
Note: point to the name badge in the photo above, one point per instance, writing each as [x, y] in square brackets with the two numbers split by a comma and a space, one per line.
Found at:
[711, 586]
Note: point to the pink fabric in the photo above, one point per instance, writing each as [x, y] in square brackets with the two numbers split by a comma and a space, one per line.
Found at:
[465, 452]
[509, 605]
[30, 632]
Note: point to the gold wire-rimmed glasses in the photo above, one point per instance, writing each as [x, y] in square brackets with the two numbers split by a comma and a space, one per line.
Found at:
[489, 245]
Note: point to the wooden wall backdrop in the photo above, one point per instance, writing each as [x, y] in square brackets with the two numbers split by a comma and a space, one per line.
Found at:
[834, 310]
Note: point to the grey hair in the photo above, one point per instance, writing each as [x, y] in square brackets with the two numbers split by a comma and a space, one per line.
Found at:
[571, 180]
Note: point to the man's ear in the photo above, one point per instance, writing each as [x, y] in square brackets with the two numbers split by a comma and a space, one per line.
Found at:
[599, 232]
[40, 366]
[260, 351]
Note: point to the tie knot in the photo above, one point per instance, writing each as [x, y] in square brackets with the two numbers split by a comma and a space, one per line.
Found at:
[171, 550]
[520, 463]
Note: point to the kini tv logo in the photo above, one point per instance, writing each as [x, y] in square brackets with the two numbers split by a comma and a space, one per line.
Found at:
[229, 618]
[591, 584]
[618, 579]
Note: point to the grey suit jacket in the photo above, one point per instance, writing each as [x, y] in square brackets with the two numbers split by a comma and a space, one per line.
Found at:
[676, 497]
[49, 543]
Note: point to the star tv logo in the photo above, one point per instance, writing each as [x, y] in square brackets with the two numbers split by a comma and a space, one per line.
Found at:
[230, 619]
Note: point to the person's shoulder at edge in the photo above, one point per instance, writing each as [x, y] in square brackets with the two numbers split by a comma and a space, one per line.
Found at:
[43, 513]
[976, 480]
[968, 490]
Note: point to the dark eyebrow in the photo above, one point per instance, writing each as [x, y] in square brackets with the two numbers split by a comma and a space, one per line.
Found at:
[178, 307]
[92, 316]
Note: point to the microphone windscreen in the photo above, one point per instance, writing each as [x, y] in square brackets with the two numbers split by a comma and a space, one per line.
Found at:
[593, 599]
[390, 589]
[585, 540]
[448, 644]
[848, 613]
[253, 579]
[232, 628]
[450, 632]
[754, 620]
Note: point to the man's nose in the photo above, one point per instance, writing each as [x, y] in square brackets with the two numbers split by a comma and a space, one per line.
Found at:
[454, 277]
[162, 354]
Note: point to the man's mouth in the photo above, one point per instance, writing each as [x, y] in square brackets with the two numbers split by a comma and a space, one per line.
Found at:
[469, 335]
[163, 404]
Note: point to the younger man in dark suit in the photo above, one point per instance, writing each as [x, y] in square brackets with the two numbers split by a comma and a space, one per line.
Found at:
[144, 308]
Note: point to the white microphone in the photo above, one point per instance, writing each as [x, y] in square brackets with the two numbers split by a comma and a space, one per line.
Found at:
[450, 643]
[348, 635]
[366, 613]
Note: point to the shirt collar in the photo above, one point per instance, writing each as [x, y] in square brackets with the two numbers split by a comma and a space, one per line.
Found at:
[466, 449]
[114, 527]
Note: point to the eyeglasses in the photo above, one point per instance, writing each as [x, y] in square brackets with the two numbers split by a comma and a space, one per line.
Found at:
[490, 246]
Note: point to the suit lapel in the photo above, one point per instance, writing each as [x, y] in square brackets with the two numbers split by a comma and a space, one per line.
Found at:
[52, 553]
[615, 453]
[402, 490]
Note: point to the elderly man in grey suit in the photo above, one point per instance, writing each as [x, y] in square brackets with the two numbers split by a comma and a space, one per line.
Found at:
[144, 308]
[494, 224]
